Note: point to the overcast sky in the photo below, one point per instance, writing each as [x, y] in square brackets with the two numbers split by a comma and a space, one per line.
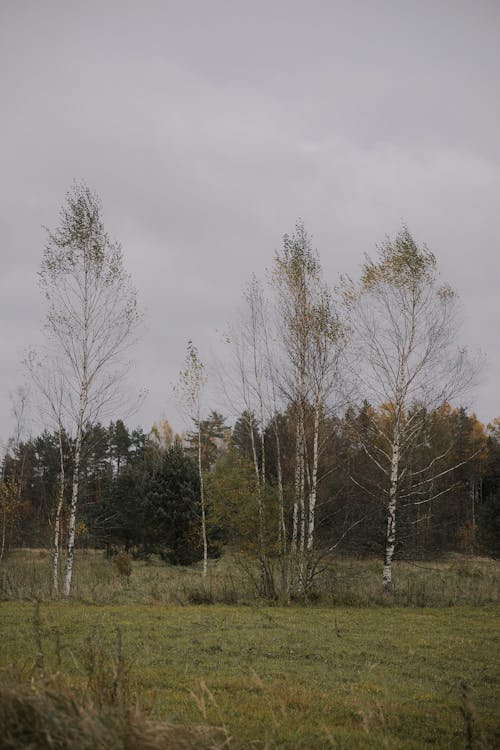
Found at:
[208, 128]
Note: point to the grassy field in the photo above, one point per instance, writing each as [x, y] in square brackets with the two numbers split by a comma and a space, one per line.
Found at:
[456, 580]
[276, 677]
[270, 677]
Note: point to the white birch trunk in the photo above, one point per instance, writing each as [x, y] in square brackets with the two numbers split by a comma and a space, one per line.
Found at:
[260, 471]
[313, 494]
[203, 510]
[257, 479]
[296, 499]
[282, 532]
[57, 519]
[91, 317]
[282, 536]
[390, 541]
[302, 486]
[302, 503]
[73, 506]
[281, 497]
[84, 385]
[314, 482]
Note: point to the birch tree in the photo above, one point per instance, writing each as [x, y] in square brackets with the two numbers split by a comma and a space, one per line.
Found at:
[91, 321]
[249, 385]
[403, 356]
[312, 337]
[258, 389]
[192, 379]
[285, 355]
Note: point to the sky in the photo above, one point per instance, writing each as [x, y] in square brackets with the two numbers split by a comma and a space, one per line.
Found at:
[209, 128]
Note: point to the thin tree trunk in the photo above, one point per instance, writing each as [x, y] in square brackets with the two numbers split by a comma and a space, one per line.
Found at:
[314, 481]
[298, 536]
[397, 440]
[266, 577]
[390, 541]
[84, 385]
[261, 481]
[295, 521]
[302, 488]
[261, 414]
[473, 497]
[282, 537]
[281, 497]
[203, 510]
[282, 533]
[4, 516]
[73, 505]
[255, 303]
[255, 460]
[4, 532]
[57, 518]
[313, 494]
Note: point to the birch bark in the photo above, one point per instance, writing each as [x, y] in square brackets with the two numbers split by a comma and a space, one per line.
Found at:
[403, 357]
[58, 517]
[91, 321]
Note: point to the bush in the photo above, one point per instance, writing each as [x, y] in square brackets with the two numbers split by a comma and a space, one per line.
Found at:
[123, 564]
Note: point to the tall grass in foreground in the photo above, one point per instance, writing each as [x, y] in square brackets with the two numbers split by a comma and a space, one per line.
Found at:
[457, 580]
[51, 715]
[103, 710]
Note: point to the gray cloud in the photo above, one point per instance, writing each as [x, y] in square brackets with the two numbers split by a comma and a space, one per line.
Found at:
[209, 128]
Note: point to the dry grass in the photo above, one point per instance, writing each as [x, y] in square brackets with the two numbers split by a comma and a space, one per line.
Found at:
[98, 708]
[50, 715]
[457, 580]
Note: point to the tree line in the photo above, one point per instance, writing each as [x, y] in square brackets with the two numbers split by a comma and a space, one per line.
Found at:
[346, 439]
[140, 492]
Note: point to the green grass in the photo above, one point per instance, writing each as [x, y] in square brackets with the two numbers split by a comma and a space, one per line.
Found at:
[299, 677]
[350, 668]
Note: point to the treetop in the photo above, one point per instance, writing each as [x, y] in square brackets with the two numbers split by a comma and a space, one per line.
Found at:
[400, 263]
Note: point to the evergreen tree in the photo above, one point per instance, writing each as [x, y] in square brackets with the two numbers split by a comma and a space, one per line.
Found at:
[213, 435]
[172, 509]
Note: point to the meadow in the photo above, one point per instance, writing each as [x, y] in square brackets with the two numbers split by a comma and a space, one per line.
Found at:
[160, 659]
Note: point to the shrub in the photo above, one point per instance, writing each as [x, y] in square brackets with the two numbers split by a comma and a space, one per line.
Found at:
[123, 563]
